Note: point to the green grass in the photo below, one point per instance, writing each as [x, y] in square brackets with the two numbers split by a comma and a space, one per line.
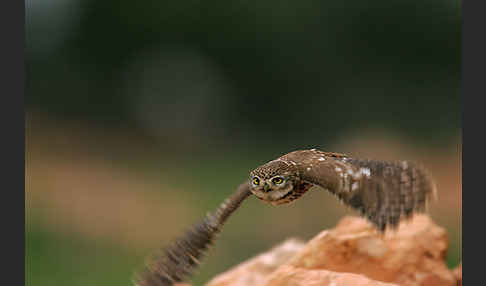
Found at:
[454, 255]
[53, 258]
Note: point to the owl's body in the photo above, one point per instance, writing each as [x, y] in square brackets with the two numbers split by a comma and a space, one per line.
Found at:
[381, 191]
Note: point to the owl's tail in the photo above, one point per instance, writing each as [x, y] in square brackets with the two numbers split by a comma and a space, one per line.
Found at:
[178, 261]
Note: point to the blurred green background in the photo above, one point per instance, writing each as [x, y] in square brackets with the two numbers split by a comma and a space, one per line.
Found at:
[141, 116]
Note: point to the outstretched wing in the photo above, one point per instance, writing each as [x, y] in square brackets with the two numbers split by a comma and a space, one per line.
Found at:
[179, 260]
[381, 191]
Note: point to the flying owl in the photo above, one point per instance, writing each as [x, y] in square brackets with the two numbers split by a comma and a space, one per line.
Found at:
[382, 191]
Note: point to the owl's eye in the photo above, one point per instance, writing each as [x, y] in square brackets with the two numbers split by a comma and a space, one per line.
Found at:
[277, 180]
[255, 181]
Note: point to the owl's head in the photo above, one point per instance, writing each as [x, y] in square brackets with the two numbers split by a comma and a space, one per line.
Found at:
[273, 182]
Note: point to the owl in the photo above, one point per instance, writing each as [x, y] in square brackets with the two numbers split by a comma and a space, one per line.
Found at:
[384, 192]
[381, 191]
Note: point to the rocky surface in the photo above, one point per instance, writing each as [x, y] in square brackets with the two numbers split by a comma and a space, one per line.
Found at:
[288, 275]
[353, 253]
[256, 270]
[414, 254]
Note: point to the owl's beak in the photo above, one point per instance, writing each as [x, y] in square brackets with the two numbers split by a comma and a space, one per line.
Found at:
[266, 187]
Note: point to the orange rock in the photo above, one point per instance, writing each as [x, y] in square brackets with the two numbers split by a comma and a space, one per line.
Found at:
[353, 253]
[256, 270]
[288, 275]
[414, 254]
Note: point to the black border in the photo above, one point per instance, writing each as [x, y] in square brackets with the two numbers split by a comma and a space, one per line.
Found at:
[473, 80]
[12, 118]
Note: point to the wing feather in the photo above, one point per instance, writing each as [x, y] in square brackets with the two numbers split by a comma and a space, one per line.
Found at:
[381, 191]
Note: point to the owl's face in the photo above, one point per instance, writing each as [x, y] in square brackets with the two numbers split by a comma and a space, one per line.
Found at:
[273, 183]
[273, 190]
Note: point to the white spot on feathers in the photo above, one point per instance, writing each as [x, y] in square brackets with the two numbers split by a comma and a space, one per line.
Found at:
[365, 171]
[404, 165]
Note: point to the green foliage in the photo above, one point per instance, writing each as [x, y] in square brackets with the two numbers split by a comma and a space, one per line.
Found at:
[54, 258]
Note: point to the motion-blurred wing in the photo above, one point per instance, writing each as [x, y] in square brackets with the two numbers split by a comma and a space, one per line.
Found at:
[381, 191]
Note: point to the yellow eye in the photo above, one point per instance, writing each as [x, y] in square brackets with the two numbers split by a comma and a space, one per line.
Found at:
[277, 180]
[256, 181]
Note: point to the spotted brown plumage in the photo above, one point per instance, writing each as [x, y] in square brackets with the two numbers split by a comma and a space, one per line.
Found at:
[381, 191]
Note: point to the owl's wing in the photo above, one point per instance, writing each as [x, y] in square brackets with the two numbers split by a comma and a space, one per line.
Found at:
[381, 191]
[180, 259]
